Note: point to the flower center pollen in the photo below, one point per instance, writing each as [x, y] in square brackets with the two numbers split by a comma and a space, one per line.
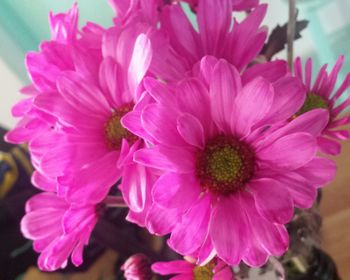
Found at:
[204, 272]
[115, 132]
[312, 101]
[225, 165]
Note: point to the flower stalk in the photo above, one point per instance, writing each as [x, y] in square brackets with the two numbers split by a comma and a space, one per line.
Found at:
[291, 32]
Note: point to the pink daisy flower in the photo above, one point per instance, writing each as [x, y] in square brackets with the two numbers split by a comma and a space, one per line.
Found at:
[58, 229]
[322, 94]
[238, 44]
[91, 147]
[184, 270]
[231, 171]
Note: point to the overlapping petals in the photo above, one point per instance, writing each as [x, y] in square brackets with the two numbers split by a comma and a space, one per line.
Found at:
[58, 229]
[323, 94]
[284, 151]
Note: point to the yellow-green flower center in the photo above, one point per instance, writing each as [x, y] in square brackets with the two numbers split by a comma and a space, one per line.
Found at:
[204, 272]
[115, 132]
[312, 101]
[225, 165]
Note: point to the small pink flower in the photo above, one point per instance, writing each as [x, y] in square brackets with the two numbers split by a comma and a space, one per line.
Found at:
[58, 229]
[137, 267]
[218, 35]
[233, 168]
[322, 94]
[216, 270]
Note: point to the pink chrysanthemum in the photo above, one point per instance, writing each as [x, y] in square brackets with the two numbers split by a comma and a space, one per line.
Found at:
[83, 84]
[218, 35]
[232, 172]
[322, 94]
[215, 270]
[90, 150]
[58, 229]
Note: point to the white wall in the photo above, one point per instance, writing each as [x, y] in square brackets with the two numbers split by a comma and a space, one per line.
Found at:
[9, 95]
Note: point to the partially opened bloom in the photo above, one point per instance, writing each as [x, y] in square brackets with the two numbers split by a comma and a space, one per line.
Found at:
[137, 267]
[58, 229]
[232, 169]
[218, 35]
[323, 94]
[184, 270]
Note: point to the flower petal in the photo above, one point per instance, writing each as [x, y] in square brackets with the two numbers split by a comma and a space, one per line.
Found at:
[272, 200]
[191, 130]
[245, 113]
[289, 152]
[190, 234]
[227, 218]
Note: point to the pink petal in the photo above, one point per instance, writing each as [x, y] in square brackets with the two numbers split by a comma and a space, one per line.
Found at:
[160, 122]
[190, 234]
[270, 236]
[245, 114]
[172, 267]
[174, 190]
[301, 189]
[214, 20]
[161, 221]
[43, 183]
[289, 97]
[193, 98]
[93, 183]
[328, 146]
[227, 218]
[182, 35]
[271, 71]
[224, 87]
[191, 130]
[160, 91]
[206, 68]
[289, 152]
[132, 122]
[83, 95]
[176, 160]
[140, 61]
[272, 200]
[319, 171]
[135, 184]
[41, 223]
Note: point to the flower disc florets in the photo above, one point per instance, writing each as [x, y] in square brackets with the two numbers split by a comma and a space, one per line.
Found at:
[225, 165]
[313, 101]
[114, 130]
[204, 272]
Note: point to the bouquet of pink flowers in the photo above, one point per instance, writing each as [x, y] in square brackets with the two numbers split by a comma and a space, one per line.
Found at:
[211, 142]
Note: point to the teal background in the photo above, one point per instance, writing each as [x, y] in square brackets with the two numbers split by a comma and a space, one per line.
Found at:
[24, 23]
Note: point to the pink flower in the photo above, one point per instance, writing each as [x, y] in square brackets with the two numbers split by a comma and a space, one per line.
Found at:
[58, 229]
[137, 267]
[239, 44]
[322, 94]
[90, 150]
[232, 169]
[216, 270]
